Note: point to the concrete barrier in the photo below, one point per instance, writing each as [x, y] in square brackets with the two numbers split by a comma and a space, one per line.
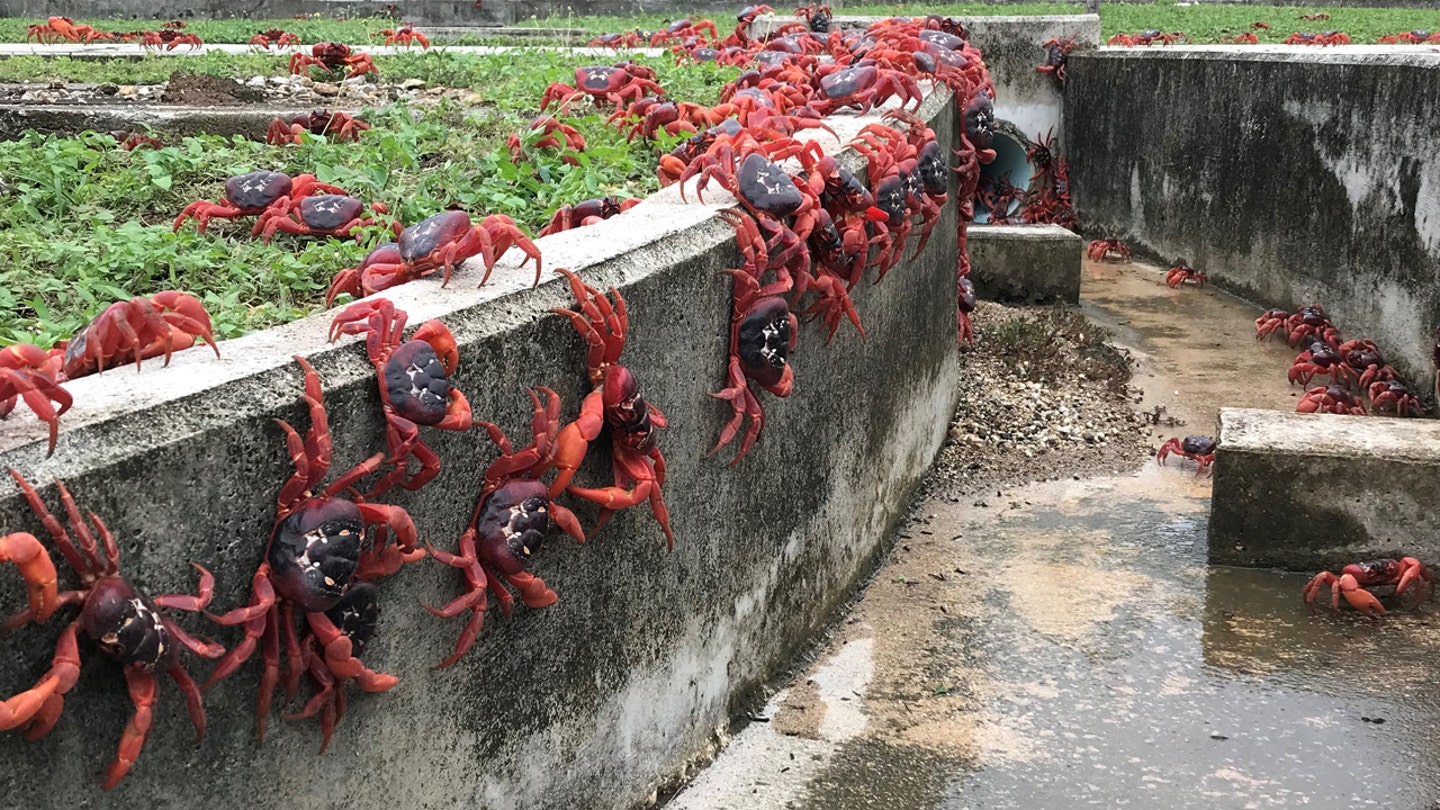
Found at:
[596, 702]
[1306, 492]
[1270, 169]
[1025, 263]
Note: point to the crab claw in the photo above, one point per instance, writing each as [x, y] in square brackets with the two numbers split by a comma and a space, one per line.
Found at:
[438, 336]
[1359, 598]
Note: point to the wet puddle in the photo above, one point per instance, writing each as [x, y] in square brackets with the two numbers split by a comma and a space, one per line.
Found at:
[1065, 645]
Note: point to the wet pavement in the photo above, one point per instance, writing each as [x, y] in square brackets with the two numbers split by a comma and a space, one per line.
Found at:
[1065, 645]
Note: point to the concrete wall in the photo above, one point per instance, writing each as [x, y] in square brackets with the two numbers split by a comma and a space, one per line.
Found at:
[1025, 263]
[594, 702]
[1289, 175]
[420, 12]
[1306, 493]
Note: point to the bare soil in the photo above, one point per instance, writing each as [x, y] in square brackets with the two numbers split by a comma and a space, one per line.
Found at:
[203, 90]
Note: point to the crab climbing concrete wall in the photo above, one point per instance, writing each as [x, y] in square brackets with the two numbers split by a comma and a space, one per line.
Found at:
[596, 702]
[1290, 175]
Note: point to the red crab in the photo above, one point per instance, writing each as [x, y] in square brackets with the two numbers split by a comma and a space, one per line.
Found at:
[1332, 399]
[514, 515]
[966, 306]
[1104, 249]
[1200, 449]
[863, 85]
[816, 16]
[1323, 38]
[339, 127]
[140, 328]
[614, 402]
[763, 332]
[30, 373]
[1354, 578]
[58, 28]
[320, 215]
[315, 554]
[333, 56]
[1260, 25]
[619, 84]
[1320, 358]
[542, 134]
[169, 39]
[404, 36]
[251, 194]
[1246, 38]
[1416, 37]
[275, 36]
[1365, 363]
[1272, 321]
[1146, 38]
[127, 141]
[1394, 396]
[448, 238]
[1314, 17]
[1311, 322]
[587, 212]
[381, 269]
[1057, 51]
[123, 622]
[682, 29]
[414, 379]
[1181, 273]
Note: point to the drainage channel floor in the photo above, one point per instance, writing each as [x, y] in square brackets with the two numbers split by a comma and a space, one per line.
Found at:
[1065, 645]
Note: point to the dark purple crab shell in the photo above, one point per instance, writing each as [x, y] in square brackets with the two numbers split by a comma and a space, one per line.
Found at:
[820, 22]
[772, 57]
[512, 525]
[967, 295]
[315, 551]
[705, 54]
[934, 174]
[1198, 445]
[326, 212]
[944, 56]
[1149, 34]
[767, 188]
[949, 42]
[763, 340]
[980, 122]
[678, 26]
[357, 614]
[430, 234]
[924, 62]
[787, 44]
[127, 626]
[760, 97]
[599, 78]
[253, 192]
[416, 384]
[847, 190]
[1314, 315]
[1322, 355]
[846, 83]
[1419, 33]
[890, 197]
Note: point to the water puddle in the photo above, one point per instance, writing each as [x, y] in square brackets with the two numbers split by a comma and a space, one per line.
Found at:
[1065, 645]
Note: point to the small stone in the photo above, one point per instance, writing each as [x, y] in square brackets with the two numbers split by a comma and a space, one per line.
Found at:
[126, 90]
[326, 89]
[412, 84]
[255, 81]
[107, 89]
[474, 98]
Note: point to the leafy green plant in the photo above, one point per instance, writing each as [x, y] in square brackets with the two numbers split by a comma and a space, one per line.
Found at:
[84, 224]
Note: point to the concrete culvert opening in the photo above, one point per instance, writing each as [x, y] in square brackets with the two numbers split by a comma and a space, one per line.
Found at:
[1011, 165]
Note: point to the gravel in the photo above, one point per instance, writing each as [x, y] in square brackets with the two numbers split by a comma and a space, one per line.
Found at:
[286, 90]
[1042, 395]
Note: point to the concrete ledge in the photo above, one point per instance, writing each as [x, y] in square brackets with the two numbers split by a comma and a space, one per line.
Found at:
[1306, 492]
[1025, 263]
[595, 702]
[1301, 200]
[251, 121]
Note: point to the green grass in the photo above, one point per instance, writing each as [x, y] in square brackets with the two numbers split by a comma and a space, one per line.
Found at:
[311, 30]
[1203, 23]
[83, 224]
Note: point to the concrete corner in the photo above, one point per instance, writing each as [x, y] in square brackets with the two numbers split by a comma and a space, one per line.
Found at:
[1025, 263]
[1305, 492]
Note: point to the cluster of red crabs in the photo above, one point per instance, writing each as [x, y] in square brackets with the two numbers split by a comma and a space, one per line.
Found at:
[1152, 37]
[63, 29]
[808, 229]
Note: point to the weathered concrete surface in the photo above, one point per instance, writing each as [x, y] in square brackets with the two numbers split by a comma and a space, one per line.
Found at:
[1306, 492]
[68, 119]
[1029, 263]
[131, 50]
[1270, 170]
[595, 702]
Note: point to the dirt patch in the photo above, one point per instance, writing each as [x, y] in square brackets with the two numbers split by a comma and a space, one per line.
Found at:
[204, 90]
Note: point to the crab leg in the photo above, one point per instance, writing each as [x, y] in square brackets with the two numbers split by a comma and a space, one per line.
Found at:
[142, 694]
[37, 569]
[474, 599]
[65, 666]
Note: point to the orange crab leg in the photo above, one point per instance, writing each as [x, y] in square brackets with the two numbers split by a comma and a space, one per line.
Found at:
[142, 694]
[38, 570]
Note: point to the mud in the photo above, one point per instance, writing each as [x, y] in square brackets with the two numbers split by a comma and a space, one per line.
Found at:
[204, 90]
